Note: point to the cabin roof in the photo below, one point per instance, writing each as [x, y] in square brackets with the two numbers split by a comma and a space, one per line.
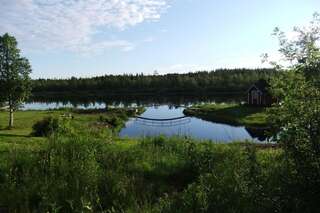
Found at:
[261, 85]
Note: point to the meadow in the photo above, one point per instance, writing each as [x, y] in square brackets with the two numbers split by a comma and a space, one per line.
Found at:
[82, 166]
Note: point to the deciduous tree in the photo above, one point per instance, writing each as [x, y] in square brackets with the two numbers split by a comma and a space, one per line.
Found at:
[15, 82]
[296, 118]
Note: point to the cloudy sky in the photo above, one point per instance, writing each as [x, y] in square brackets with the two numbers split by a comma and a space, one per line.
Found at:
[64, 38]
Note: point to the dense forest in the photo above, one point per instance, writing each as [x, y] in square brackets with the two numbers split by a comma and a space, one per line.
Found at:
[216, 81]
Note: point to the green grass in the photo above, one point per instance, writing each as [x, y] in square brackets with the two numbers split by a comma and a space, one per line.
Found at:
[88, 169]
[20, 135]
[85, 171]
[234, 114]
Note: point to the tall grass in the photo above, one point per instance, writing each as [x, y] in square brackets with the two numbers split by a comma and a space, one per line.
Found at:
[85, 171]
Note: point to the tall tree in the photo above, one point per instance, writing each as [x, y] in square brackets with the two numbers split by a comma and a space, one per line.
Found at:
[15, 82]
[296, 118]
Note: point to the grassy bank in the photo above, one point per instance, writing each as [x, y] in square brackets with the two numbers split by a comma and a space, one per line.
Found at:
[234, 114]
[111, 120]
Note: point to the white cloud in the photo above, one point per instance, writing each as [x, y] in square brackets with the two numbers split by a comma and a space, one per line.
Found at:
[99, 47]
[73, 24]
[147, 40]
[228, 62]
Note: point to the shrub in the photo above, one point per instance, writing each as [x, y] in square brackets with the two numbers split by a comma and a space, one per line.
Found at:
[112, 120]
[45, 127]
[49, 125]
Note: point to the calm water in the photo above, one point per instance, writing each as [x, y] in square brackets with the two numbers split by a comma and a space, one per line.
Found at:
[190, 127]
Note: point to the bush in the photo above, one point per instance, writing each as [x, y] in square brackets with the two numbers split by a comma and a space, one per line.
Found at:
[113, 120]
[49, 125]
[232, 179]
[45, 127]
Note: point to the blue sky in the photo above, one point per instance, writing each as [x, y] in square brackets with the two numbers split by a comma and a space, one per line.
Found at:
[64, 38]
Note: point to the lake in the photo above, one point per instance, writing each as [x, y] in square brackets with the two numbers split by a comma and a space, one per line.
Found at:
[187, 127]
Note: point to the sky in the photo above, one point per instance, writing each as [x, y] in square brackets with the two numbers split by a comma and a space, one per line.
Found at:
[85, 38]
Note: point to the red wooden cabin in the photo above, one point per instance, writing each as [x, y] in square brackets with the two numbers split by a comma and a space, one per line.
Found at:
[258, 94]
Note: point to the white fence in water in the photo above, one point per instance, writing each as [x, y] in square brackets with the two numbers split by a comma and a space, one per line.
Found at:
[163, 122]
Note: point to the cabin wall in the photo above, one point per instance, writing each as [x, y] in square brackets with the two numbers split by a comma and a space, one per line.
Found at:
[257, 98]
[254, 97]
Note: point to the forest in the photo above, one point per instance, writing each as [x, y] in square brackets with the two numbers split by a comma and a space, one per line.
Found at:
[216, 81]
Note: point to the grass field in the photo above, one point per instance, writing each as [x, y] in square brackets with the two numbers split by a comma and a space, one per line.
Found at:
[87, 168]
[88, 172]
[234, 114]
[20, 135]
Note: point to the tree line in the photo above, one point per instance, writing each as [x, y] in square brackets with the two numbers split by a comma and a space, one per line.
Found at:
[16, 84]
[216, 81]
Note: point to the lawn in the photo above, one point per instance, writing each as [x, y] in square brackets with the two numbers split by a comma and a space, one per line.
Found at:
[234, 114]
[20, 135]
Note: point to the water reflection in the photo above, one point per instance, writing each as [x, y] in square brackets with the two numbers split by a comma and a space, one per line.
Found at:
[195, 128]
[125, 100]
[157, 107]
[57, 105]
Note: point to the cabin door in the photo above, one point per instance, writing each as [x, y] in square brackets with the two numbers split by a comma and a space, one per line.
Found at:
[255, 97]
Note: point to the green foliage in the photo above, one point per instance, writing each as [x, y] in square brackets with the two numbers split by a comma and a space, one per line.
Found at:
[216, 81]
[45, 127]
[49, 125]
[115, 118]
[69, 121]
[85, 172]
[303, 51]
[231, 179]
[15, 83]
[61, 178]
[296, 124]
[296, 118]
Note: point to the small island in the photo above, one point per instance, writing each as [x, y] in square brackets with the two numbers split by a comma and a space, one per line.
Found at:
[234, 114]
